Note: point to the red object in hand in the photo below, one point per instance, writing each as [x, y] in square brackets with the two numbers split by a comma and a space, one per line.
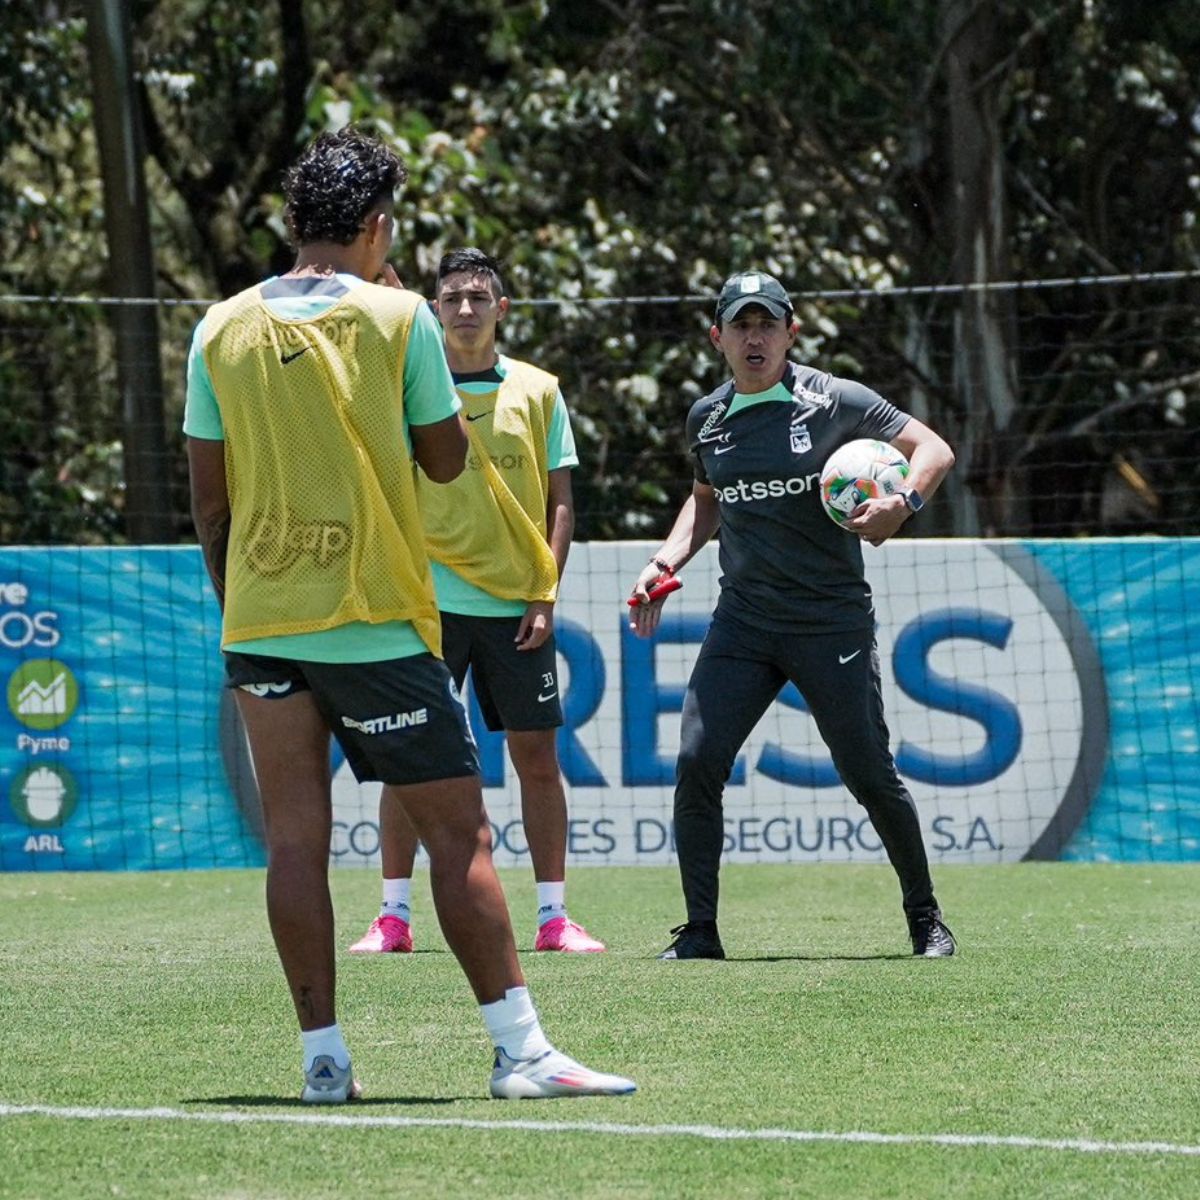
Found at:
[664, 587]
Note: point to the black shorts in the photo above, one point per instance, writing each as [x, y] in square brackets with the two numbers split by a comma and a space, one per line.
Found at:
[401, 721]
[516, 689]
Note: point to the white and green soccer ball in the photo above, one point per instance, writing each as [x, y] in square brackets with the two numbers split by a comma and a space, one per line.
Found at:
[861, 470]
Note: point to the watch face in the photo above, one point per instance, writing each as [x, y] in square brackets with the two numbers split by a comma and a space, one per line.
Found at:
[914, 500]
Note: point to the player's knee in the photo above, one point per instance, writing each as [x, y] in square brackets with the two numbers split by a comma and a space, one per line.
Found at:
[456, 839]
[881, 792]
[297, 851]
[535, 760]
[540, 766]
[696, 770]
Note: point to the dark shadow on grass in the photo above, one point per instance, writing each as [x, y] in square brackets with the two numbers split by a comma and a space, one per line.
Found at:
[768, 958]
[407, 954]
[825, 958]
[353, 1106]
[282, 1102]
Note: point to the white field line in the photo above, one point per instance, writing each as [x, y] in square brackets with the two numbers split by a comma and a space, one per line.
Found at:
[345, 1120]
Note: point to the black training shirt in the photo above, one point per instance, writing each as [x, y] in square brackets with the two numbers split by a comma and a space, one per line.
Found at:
[785, 565]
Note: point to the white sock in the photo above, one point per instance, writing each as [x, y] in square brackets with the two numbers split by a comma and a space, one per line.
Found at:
[396, 896]
[324, 1041]
[552, 902]
[513, 1025]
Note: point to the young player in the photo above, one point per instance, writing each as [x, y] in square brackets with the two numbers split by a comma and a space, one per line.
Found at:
[309, 399]
[499, 537]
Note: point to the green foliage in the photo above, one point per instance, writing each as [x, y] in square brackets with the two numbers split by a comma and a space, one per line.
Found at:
[36, 86]
[638, 149]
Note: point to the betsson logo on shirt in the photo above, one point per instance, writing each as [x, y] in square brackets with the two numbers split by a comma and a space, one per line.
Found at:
[767, 489]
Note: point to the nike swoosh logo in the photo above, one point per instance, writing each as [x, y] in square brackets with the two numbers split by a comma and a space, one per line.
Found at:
[480, 416]
[287, 358]
[845, 658]
[549, 696]
[723, 449]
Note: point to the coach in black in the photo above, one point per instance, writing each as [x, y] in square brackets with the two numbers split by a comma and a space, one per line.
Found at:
[794, 602]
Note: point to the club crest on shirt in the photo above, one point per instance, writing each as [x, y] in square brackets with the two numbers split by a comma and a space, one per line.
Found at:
[801, 441]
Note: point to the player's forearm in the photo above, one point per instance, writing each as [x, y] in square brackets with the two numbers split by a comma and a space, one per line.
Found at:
[440, 449]
[698, 520]
[210, 506]
[212, 530]
[929, 464]
[560, 529]
[929, 457]
[560, 516]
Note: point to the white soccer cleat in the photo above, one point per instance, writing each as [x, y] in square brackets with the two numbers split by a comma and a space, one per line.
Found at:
[327, 1083]
[552, 1074]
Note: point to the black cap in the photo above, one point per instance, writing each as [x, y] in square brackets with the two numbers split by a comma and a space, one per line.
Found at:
[752, 287]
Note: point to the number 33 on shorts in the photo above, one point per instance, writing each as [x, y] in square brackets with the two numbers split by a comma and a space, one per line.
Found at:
[549, 687]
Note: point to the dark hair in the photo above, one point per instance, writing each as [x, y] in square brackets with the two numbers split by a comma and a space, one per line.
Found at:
[472, 260]
[336, 182]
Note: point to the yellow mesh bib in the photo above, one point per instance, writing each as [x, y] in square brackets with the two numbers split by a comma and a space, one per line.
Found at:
[489, 524]
[325, 525]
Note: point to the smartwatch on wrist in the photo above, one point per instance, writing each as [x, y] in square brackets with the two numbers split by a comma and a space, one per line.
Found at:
[913, 500]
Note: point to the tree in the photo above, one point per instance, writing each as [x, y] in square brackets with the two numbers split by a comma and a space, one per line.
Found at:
[637, 148]
[130, 272]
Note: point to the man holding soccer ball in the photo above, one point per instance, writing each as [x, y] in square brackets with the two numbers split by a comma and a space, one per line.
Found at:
[794, 604]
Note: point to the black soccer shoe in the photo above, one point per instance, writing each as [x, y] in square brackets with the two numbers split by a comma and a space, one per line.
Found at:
[930, 937]
[696, 939]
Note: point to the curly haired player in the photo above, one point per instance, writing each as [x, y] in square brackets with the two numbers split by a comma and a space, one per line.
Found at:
[310, 397]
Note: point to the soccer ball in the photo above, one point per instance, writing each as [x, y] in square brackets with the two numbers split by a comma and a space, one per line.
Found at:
[861, 470]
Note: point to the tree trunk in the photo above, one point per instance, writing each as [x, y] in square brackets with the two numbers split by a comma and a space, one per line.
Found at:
[131, 274]
[984, 368]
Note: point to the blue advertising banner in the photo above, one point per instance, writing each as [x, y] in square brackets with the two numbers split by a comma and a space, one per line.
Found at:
[1041, 698]
[109, 746]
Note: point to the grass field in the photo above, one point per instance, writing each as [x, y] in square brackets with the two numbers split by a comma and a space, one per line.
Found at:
[1069, 1018]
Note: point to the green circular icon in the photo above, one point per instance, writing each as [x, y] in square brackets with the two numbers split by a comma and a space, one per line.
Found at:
[44, 797]
[43, 693]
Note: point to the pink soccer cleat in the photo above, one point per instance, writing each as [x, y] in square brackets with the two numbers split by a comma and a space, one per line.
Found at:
[563, 934]
[387, 935]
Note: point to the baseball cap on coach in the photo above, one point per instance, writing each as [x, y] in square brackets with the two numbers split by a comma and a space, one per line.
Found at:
[752, 287]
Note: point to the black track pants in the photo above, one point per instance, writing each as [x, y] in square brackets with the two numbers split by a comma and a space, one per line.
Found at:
[737, 675]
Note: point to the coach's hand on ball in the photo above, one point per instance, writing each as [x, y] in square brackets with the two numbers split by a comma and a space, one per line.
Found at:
[876, 520]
